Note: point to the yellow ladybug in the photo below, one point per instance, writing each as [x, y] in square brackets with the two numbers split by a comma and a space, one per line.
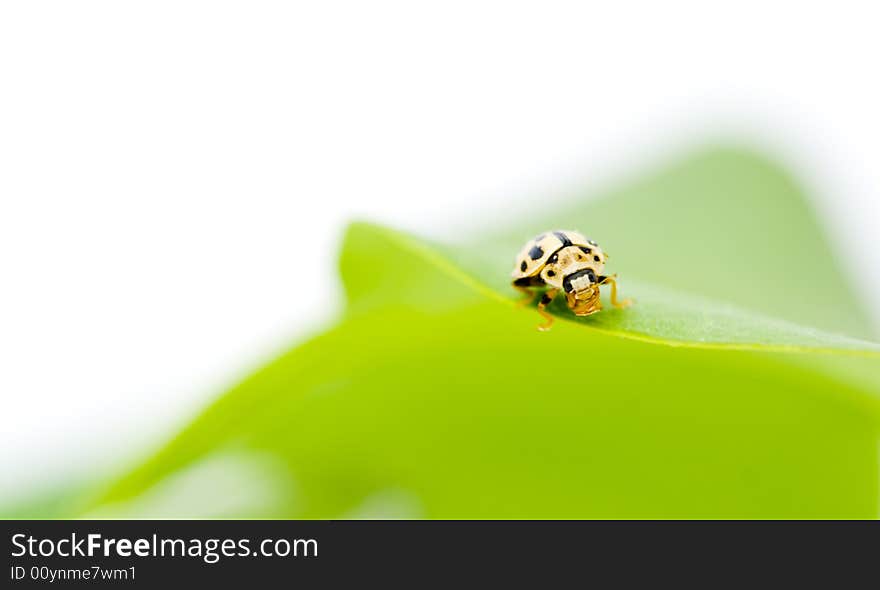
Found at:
[564, 261]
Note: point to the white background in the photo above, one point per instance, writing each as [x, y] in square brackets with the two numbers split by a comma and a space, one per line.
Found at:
[174, 176]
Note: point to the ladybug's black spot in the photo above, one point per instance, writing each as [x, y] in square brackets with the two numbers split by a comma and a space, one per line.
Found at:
[596, 258]
[536, 252]
[523, 266]
[551, 273]
[553, 259]
[586, 250]
[562, 238]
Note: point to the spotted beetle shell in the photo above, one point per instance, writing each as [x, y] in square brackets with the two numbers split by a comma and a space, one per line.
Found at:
[536, 252]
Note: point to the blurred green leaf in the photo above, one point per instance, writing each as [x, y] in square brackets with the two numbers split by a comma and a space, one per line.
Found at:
[475, 414]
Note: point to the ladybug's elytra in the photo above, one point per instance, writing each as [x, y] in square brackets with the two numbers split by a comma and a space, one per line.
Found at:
[566, 261]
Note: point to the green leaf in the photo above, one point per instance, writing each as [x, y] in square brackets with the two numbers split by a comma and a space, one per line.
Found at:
[434, 396]
[661, 315]
[470, 412]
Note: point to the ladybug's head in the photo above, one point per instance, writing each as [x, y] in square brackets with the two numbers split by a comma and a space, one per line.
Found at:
[582, 292]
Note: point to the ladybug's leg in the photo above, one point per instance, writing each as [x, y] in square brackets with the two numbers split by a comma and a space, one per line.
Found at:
[603, 280]
[546, 298]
